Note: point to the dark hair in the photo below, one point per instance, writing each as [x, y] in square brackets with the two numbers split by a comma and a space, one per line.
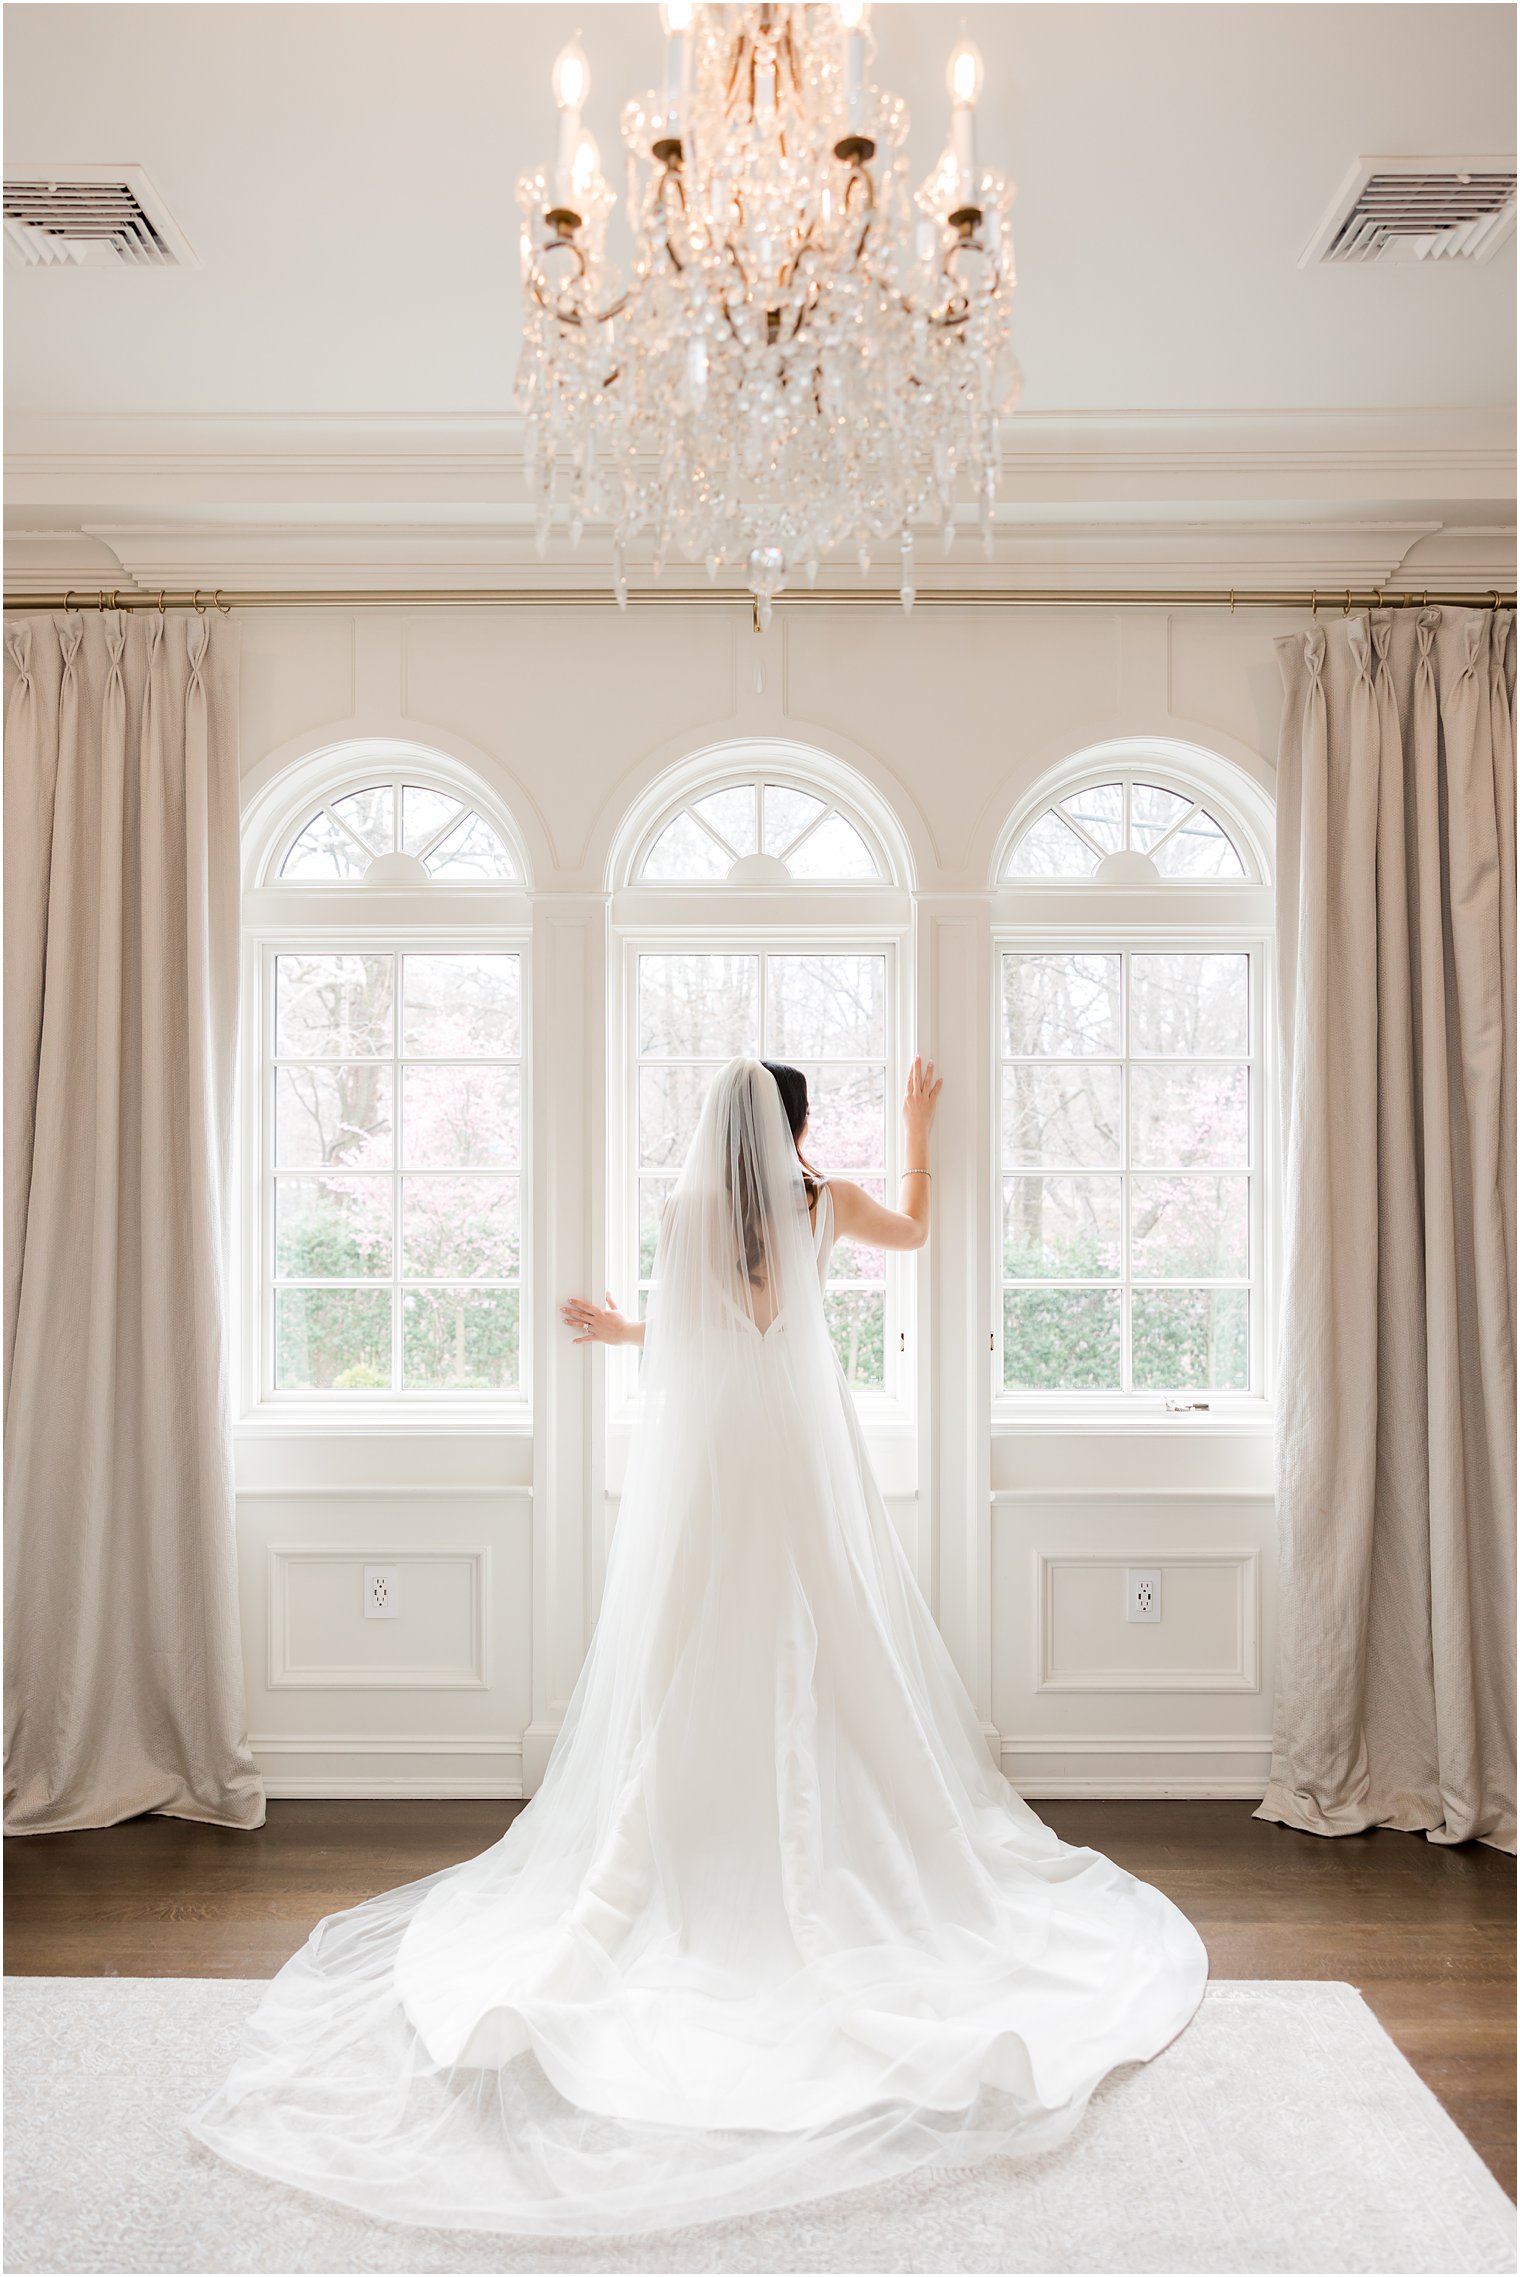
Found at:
[792, 1085]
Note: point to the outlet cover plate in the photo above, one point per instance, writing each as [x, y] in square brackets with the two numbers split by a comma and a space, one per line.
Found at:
[1142, 1586]
[382, 1594]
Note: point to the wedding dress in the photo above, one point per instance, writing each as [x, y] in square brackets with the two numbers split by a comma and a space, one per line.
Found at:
[773, 1927]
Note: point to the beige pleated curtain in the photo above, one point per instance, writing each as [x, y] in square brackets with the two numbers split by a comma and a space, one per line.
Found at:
[124, 1686]
[1396, 1448]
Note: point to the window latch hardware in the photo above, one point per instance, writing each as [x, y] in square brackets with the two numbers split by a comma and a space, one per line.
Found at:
[1187, 1407]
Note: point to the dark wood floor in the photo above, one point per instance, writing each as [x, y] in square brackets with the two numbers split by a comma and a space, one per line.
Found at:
[1426, 1933]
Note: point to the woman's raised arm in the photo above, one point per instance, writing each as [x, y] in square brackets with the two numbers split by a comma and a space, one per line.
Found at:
[859, 1215]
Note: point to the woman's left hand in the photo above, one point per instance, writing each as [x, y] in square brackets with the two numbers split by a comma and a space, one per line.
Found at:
[921, 1098]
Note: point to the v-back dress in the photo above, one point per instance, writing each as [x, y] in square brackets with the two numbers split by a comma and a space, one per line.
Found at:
[774, 1926]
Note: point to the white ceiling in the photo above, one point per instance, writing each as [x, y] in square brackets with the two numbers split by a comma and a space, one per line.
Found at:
[345, 175]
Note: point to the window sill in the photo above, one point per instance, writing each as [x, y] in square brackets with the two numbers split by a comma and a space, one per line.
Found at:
[1242, 1419]
[392, 1418]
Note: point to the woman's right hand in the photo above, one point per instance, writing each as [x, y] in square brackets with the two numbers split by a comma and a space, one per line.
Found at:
[600, 1324]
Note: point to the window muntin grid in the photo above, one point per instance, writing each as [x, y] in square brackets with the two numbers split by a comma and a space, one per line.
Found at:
[443, 838]
[824, 1009]
[393, 1173]
[756, 830]
[1178, 837]
[1130, 1169]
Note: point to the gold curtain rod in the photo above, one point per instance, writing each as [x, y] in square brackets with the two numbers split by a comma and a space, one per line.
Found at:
[1338, 600]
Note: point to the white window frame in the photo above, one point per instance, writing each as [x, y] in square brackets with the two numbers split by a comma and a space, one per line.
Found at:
[730, 917]
[1070, 916]
[282, 916]
[800, 933]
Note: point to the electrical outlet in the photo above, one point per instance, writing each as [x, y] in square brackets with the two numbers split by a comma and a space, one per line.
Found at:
[382, 1597]
[1143, 1593]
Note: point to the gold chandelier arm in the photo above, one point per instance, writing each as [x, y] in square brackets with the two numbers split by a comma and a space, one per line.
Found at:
[859, 177]
[577, 318]
[670, 180]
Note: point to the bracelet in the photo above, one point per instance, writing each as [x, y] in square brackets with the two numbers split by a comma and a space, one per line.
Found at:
[918, 1173]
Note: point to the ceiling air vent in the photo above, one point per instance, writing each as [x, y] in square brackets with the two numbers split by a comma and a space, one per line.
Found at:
[1418, 209]
[90, 217]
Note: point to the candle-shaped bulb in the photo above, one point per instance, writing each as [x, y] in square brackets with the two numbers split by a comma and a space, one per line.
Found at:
[677, 18]
[965, 73]
[571, 81]
[585, 165]
[965, 77]
[571, 77]
[852, 16]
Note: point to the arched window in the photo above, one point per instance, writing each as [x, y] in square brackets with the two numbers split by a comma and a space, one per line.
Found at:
[384, 1142]
[765, 829]
[397, 832]
[792, 951]
[1128, 829]
[1134, 925]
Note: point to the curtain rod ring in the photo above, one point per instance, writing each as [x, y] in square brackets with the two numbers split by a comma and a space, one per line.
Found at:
[1380, 596]
[196, 598]
[1232, 600]
[1346, 604]
[161, 610]
[1314, 602]
[1496, 600]
[68, 603]
[221, 604]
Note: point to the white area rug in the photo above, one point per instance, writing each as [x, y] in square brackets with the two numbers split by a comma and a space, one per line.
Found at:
[1282, 2131]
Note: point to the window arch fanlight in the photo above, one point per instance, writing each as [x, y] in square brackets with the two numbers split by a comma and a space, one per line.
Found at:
[1132, 814]
[389, 815]
[771, 824]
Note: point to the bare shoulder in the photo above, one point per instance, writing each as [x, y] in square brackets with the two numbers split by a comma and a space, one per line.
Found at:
[846, 1197]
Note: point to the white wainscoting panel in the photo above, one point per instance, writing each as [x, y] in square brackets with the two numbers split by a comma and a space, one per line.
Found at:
[1207, 1640]
[320, 1638]
[432, 1702]
[1088, 1703]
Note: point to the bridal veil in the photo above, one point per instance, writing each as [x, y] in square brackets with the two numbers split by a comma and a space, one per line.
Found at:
[774, 1926]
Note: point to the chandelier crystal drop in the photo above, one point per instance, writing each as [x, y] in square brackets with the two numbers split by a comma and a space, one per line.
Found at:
[805, 354]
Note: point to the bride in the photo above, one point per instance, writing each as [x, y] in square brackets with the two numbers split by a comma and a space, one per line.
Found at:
[773, 1927]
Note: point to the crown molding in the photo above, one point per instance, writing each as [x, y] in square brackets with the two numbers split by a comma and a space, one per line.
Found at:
[476, 459]
[1106, 500]
[1136, 556]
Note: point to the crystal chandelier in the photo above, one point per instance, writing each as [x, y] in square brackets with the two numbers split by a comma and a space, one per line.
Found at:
[805, 353]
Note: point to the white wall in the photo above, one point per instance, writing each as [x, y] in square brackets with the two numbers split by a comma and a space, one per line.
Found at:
[1020, 1536]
